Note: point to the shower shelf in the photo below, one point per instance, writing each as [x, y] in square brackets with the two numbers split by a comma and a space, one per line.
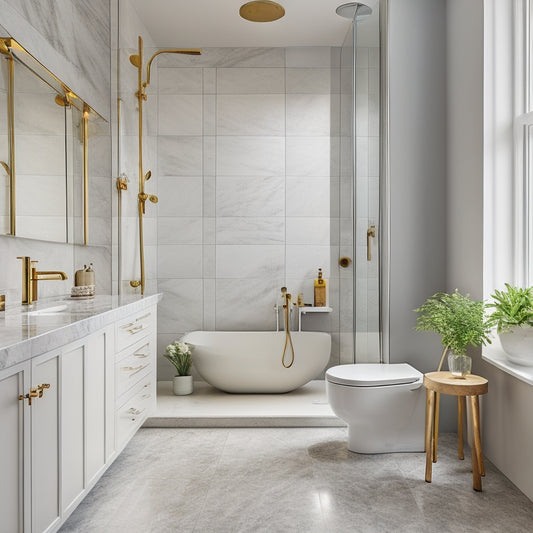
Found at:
[305, 310]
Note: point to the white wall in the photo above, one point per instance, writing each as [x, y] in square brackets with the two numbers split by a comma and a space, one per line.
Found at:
[418, 235]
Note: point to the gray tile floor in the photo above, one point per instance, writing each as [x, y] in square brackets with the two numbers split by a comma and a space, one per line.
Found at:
[291, 480]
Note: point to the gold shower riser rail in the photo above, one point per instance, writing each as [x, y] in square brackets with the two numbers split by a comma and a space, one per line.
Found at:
[137, 61]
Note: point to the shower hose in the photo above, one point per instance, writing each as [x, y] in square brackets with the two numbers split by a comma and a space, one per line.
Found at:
[288, 339]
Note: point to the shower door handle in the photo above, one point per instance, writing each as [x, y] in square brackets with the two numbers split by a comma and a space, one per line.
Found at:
[370, 232]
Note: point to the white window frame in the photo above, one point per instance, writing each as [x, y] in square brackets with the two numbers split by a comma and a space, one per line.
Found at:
[508, 144]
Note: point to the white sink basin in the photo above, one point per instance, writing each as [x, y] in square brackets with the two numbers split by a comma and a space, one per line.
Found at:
[49, 311]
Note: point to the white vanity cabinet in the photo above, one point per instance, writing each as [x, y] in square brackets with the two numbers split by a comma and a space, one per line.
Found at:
[97, 391]
[14, 448]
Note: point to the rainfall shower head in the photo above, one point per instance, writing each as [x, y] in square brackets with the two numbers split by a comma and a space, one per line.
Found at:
[353, 10]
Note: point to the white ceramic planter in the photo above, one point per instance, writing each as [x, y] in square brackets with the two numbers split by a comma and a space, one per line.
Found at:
[518, 345]
[182, 385]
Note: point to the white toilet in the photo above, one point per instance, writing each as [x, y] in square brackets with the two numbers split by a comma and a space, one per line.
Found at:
[383, 405]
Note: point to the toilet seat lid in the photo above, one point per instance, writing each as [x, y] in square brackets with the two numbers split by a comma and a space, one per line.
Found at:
[373, 375]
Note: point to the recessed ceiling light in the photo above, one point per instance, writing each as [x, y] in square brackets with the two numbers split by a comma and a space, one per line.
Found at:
[261, 11]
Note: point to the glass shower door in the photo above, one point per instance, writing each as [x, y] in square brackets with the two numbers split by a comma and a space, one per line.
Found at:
[359, 302]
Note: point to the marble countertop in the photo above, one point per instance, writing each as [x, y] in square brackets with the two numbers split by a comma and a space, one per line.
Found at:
[24, 335]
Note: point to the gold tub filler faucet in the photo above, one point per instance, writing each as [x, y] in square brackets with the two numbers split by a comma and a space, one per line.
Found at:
[30, 277]
[288, 339]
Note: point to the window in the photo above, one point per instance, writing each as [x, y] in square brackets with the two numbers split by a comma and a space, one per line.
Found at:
[508, 144]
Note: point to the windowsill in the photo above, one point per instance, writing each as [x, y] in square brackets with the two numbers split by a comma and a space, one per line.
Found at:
[494, 354]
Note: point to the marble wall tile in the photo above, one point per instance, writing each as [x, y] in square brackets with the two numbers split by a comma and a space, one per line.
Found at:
[99, 196]
[251, 114]
[257, 314]
[308, 56]
[315, 202]
[180, 295]
[250, 156]
[308, 230]
[308, 80]
[248, 197]
[209, 118]
[210, 81]
[308, 156]
[178, 261]
[209, 304]
[303, 261]
[308, 114]
[179, 230]
[250, 261]
[179, 156]
[180, 80]
[180, 197]
[99, 231]
[209, 155]
[250, 230]
[180, 114]
[250, 81]
[209, 261]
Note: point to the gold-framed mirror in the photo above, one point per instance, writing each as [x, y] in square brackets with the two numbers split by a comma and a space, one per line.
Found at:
[44, 143]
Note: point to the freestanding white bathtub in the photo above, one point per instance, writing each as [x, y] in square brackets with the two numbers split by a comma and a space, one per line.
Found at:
[250, 361]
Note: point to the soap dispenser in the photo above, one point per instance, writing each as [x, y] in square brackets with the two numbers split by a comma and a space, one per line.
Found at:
[89, 275]
[320, 290]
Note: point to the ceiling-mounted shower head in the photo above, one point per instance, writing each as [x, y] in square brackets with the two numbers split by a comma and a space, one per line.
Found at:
[353, 10]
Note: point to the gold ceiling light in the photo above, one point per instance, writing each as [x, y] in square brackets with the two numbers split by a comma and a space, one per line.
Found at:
[261, 11]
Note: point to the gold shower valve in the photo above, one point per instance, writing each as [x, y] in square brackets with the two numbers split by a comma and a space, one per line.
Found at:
[344, 262]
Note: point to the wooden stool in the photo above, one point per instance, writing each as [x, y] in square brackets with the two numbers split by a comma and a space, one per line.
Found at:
[438, 383]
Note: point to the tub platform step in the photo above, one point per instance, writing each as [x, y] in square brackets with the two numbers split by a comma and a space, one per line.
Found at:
[209, 407]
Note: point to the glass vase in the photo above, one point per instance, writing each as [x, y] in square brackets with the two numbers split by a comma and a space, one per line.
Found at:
[459, 365]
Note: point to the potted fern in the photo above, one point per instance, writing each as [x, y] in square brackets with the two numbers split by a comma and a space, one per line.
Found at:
[180, 355]
[460, 321]
[513, 318]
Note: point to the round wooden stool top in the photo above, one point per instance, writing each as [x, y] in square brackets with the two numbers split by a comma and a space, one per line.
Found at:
[445, 383]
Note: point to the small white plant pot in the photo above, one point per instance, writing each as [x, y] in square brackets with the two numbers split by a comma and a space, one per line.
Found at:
[518, 345]
[182, 385]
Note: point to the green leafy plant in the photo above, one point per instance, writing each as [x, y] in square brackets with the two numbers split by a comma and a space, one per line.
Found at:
[458, 319]
[180, 355]
[512, 307]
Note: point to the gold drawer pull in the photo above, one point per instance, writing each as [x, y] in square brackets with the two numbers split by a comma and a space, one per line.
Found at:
[144, 316]
[136, 329]
[135, 413]
[133, 369]
[126, 326]
[145, 396]
[141, 355]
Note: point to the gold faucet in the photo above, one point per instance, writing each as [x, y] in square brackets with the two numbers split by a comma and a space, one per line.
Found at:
[30, 277]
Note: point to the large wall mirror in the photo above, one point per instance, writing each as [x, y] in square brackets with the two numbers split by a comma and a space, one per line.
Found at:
[43, 151]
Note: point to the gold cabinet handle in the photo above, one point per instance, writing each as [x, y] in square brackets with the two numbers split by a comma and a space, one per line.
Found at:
[40, 389]
[32, 394]
[136, 329]
[370, 232]
[141, 355]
